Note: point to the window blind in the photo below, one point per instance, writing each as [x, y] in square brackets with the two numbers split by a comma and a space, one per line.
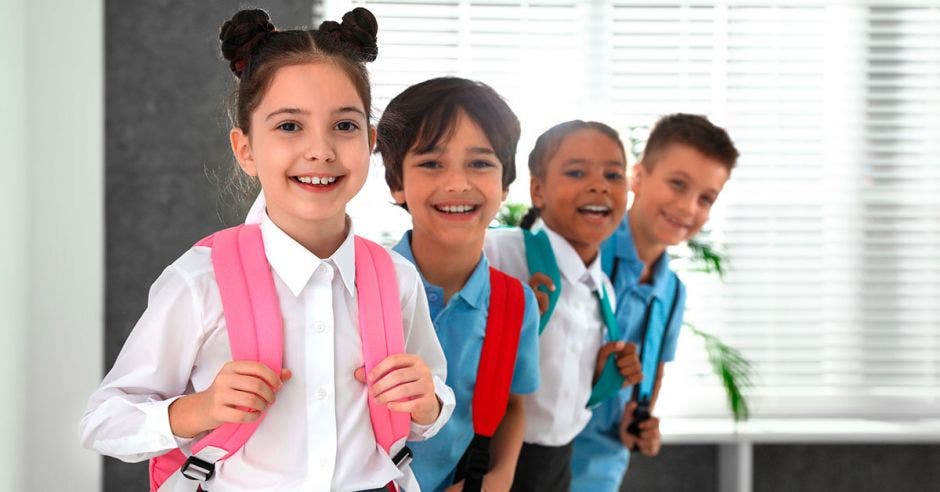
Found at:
[831, 222]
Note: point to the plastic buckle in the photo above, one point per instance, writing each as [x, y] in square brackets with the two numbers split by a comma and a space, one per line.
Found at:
[640, 414]
[197, 469]
[477, 457]
[403, 458]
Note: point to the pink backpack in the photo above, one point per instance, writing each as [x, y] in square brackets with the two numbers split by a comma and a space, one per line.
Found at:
[255, 330]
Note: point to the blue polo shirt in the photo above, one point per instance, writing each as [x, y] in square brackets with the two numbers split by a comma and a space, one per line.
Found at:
[460, 327]
[600, 460]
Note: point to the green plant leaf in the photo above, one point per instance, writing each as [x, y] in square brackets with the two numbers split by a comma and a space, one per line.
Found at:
[732, 368]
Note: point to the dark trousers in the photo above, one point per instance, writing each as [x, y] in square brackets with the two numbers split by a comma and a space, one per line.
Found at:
[543, 468]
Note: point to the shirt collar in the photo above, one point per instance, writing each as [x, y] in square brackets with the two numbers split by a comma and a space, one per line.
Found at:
[571, 265]
[474, 291]
[294, 264]
[625, 251]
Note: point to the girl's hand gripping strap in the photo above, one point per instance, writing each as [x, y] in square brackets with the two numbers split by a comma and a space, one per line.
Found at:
[610, 381]
[494, 374]
[541, 258]
[380, 328]
[256, 333]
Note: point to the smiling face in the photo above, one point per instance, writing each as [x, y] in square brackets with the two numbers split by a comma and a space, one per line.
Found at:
[674, 195]
[583, 192]
[309, 146]
[454, 190]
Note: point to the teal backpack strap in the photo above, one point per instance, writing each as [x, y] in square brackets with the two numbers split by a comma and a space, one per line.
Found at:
[540, 258]
[610, 381]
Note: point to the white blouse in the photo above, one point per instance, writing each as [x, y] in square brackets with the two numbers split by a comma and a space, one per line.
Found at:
[317, 435]
[568, 346]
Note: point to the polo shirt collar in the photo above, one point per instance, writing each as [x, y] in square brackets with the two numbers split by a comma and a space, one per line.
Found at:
[475, 291]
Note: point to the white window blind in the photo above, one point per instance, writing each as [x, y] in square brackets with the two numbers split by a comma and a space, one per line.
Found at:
[831, 222]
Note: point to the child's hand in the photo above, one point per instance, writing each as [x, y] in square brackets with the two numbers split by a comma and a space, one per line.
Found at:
[649, 441]
[240, 392]
[403, 383]
[537, 279]
[627, 361]
[490, 482]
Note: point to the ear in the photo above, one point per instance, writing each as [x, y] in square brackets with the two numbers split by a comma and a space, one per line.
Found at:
[505, 195]
[637, 174]
[535, 192]
[241, 149]
[399, 196]
[372, 138]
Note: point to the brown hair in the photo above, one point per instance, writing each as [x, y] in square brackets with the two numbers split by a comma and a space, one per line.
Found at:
[425, 113]
[548, 144]
[256, 50]
[694, 131]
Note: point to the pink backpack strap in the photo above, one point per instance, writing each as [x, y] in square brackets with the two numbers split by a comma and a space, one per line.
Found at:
[256, 333]
[380, 328]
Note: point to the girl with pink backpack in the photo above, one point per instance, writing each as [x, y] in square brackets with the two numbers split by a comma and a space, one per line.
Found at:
[286, 353]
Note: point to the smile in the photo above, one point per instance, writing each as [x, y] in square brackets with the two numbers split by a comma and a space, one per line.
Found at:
[456, 209]
[317, 180]
[674, 221]
[601, 210]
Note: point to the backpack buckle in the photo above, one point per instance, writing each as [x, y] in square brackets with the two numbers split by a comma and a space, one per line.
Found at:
[476, 460]
[197, 469]
[403, 458]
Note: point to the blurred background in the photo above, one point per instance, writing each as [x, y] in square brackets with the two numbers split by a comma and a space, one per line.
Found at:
[114, 124]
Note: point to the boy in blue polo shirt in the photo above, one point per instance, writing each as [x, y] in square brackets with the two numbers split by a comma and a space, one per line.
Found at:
[685, 164]
[449, 146]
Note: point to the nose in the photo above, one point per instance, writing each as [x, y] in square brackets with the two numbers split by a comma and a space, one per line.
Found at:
[599, 183]
[457, 180]
[319, 148]
[687, 203]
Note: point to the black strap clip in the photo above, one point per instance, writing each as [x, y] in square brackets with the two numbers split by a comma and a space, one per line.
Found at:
[640, 414]
[197, 469]
[474, 464]
[403, 458]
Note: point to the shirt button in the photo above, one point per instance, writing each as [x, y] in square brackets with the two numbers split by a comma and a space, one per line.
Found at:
[324, 271]
[432, 297]
[319, 326]
[321, 394]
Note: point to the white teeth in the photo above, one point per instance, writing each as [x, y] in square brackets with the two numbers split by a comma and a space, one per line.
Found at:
[317, 180]
[456, 209]
[596, 208]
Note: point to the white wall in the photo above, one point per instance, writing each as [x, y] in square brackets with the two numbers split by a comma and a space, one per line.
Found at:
[52, 249]
[13, 271]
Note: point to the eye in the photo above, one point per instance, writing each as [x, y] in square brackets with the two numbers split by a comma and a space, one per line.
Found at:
[289, 126]
[614, 176]
[706, 201]
[574, 173]
[677, 184]
[481, 164]
[430, 164]
[347, 126]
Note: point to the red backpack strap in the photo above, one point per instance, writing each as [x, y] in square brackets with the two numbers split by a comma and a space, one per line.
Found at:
[380, 329]
[256, 333]
[498, 357]
[494, 374]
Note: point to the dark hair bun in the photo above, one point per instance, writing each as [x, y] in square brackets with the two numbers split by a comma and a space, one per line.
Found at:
[241, 34]
[355, 36]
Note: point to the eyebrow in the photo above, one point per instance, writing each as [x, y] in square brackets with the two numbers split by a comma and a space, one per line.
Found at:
[586, 161]
[344, 109]
[471, 150]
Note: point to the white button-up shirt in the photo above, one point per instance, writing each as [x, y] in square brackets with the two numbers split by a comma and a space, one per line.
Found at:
[568, 346]
[317, 435]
